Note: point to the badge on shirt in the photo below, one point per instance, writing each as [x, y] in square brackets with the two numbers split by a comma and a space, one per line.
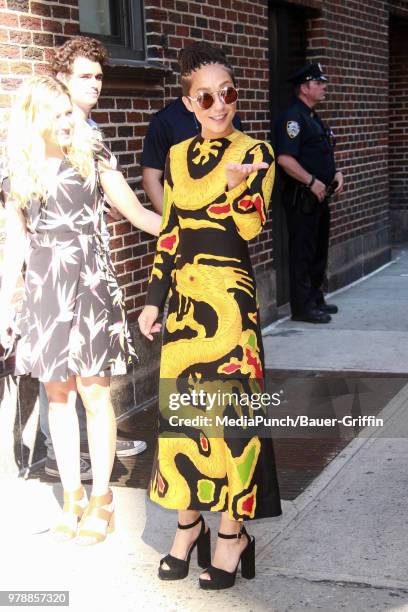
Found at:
[292, 128]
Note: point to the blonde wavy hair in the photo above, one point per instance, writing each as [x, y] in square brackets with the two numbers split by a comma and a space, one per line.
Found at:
[31, 124]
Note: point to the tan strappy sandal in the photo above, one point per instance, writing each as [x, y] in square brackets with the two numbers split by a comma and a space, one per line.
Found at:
[96, 512]
[67, 530]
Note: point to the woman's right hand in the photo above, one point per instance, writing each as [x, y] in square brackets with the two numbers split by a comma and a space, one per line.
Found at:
[147, 321]
[236, 173]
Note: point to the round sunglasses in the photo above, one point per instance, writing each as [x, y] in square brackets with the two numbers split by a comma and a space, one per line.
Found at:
[205, 100]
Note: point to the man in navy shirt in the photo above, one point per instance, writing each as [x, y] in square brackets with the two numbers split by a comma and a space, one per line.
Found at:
[305, 152]
[171, 125]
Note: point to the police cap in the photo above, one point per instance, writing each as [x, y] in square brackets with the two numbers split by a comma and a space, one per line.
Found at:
[310, 72]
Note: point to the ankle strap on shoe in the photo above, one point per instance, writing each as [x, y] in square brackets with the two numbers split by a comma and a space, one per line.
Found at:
[72, 496]
[96, 501]
[233, 536]
[199, 520]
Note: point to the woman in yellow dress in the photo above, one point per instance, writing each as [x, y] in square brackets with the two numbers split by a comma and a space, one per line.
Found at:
[217, 190]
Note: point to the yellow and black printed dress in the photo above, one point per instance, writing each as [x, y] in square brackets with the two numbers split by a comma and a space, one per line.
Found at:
[212, 332]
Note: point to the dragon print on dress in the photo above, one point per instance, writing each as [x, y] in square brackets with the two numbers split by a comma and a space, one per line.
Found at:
[212, 337]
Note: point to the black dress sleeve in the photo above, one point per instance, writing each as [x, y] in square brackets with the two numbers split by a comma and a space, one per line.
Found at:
[167, 245]
[250, 200]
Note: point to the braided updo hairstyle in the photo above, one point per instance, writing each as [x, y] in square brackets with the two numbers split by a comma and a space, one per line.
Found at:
[195, 56]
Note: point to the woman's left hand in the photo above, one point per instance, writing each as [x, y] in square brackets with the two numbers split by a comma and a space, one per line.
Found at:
[236, 173]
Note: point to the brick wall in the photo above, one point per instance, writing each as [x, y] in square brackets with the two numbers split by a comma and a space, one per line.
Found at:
[28, 31]
[398, 8]
[398, 118]
[241, 29]
[351, 42]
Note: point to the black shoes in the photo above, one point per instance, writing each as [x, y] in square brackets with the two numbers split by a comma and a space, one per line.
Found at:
[328, 308]
[178, 568]
[314, 315]
[320, 313]
[124, 448]
[51, 468]
[221, 579]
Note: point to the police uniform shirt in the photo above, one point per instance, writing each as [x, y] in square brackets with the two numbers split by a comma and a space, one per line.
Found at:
[171, 125]
[301, 134]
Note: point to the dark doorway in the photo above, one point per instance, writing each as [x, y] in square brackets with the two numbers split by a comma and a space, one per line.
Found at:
[287, 51]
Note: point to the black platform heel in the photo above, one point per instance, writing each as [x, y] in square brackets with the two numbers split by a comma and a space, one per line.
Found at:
[221, 579]
[178, 568]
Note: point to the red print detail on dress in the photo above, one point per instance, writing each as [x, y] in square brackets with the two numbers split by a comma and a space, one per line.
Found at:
[204, 442]
[168, 242]
[257, 202]
[253, 361]
[160, 483]
[220, 210]
[232, 367]
[245, 204]
[248, 504]
[258, 205]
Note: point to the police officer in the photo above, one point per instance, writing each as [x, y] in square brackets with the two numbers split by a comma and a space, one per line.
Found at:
[305, 153]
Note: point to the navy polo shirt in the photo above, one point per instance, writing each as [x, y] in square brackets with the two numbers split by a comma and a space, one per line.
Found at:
[171, 125]
[301, 134]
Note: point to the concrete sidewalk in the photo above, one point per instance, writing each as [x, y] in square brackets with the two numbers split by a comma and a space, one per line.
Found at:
[339, 545]
[369, 333]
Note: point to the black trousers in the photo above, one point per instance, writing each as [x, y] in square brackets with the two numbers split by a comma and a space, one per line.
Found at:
[308, 252]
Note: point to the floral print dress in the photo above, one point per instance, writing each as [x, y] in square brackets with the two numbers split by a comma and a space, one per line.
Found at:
[73, 320]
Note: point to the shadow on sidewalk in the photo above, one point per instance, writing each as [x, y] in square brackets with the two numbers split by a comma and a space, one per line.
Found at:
[301, 455]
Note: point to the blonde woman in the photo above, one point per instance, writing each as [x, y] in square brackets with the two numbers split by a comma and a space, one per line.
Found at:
[73, 333]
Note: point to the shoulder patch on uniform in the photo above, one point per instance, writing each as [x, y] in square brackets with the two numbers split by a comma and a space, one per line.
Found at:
[292, 128]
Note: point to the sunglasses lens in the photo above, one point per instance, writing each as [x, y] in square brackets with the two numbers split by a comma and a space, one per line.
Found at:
[229, 95]
[205, 100]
